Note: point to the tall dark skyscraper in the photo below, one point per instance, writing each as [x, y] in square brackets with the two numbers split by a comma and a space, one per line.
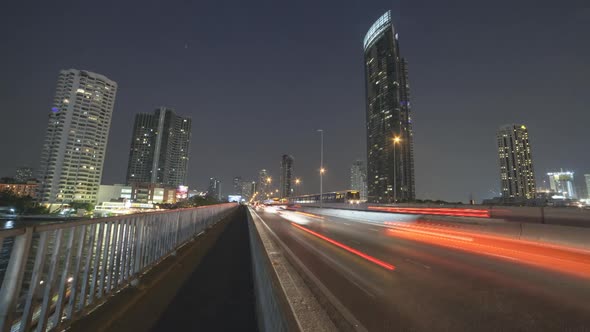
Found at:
[214, 189]
[286, 181]
[159, 148]
[237, 185]
[517, 176]
[390, 152]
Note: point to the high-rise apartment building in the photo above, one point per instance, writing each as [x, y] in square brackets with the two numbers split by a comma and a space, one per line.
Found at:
[516, 163]
[286, 179]
[390, 152]
[76, 137]
[358, 178]
[159, 150]
[562, 183]
[214, 189]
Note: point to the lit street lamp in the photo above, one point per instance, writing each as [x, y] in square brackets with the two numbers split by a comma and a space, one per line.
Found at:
[396, 140]
[322, 170]
[297, 183]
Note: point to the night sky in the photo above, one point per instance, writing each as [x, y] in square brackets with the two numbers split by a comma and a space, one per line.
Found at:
[259, 77]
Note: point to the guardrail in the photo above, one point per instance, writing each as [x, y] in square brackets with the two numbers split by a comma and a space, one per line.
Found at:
[58, 272]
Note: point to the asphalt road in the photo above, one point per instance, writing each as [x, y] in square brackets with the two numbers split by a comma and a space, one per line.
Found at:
[441, 280]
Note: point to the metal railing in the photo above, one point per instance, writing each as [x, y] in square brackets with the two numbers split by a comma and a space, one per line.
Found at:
[58, 272]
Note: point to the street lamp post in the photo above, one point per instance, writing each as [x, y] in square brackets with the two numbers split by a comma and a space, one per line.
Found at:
[321, 166]
[396, 140]
[297, 183]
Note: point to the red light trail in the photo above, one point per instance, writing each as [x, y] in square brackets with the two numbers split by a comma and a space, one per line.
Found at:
[435, 211]
[347, 248]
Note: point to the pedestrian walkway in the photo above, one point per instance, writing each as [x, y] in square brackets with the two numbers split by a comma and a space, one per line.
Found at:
[219, 295]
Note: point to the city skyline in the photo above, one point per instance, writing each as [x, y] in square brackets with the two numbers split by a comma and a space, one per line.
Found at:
[447, 123]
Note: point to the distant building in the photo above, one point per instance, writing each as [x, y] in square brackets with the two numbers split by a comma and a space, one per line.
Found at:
[159, 150]
[24, 174]
[237, 182]
[562, 183]
[150, 193]
[113, 193]
[286, 179]
[76, 138]
[248, 189]
[587, 178]
[390, 164]
[517, 175]
[21, 189]
[264, 182]
[153, 193]
[358, 178]
[214, 189]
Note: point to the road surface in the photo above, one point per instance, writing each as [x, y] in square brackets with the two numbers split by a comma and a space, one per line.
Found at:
[420, 277]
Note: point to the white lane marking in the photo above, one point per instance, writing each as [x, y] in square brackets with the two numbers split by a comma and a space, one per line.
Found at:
[374, 229]
[345, 223]
[418, 263]
[502, 256]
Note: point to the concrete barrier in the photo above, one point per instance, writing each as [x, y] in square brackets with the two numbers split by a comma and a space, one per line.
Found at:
[283, 301]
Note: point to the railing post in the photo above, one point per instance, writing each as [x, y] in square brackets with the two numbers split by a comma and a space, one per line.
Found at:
[13, 278]
[35, 280]
[139, 226]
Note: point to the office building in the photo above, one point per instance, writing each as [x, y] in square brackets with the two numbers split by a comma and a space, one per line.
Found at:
[264, 183]
[214, 189]
[286, 178]
[24, 174]
[248, 189]
[159, 150]
[562, 183]
[237, 182]
[76, 138]
[113, 193]
[517, 176]
[358, 178]
[390, 163]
